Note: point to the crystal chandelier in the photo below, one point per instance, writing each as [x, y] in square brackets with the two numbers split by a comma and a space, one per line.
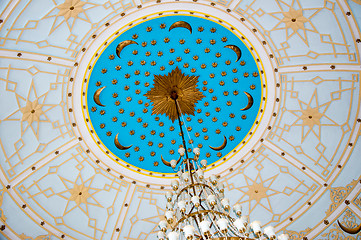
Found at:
[197, 207]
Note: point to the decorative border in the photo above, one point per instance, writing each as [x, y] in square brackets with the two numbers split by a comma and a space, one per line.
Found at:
[258, 48]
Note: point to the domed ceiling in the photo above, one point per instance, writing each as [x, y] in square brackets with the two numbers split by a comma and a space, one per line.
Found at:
[268, 90]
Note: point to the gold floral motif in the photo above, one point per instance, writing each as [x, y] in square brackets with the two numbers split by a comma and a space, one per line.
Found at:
[114, 81]
[153, 42]
[164, 86]
[160, 53]
[199, 41]
[182, 41]
[212, 41]
[186, 51]
[213, 30]
[118, 68]
[162, 26]
[166, 40]
[200, 29]
[224, 39]
[243, 63]
[149, 29]
[179, 59]
[144, 44]
[111, 56]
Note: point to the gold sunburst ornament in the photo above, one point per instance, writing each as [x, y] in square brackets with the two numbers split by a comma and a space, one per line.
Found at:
[177, 84]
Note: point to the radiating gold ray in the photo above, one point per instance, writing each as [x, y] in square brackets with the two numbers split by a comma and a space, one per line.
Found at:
[184, 86]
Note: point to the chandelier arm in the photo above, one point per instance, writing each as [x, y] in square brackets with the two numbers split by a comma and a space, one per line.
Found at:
[192, 185]
[186, 217]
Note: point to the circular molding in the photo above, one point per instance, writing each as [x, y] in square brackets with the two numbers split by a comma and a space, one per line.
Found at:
[253, 40]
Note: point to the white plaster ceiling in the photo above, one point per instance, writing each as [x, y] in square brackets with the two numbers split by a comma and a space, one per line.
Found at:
[299, 170]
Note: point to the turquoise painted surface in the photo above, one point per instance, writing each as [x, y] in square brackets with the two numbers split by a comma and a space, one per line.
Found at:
[220, 109]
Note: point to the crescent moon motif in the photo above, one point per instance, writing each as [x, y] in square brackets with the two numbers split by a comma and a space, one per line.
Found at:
[123, 45]
[118, 145]
[250, 102]
[168, 163]
[224, 144]
[236, 49]
[97, 95]
[350, 230]
[181, 24]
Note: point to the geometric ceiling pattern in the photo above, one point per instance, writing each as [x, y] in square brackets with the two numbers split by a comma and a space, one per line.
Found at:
[297, 167]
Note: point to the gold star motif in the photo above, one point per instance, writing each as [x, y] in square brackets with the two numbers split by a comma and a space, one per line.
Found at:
[294, 19]
[32, 111]
[80, 192]
[311, 116]
[257, 190]
[183, 85]
[69, 12]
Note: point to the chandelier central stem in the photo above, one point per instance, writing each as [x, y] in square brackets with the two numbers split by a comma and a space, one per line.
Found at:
[174, 96]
